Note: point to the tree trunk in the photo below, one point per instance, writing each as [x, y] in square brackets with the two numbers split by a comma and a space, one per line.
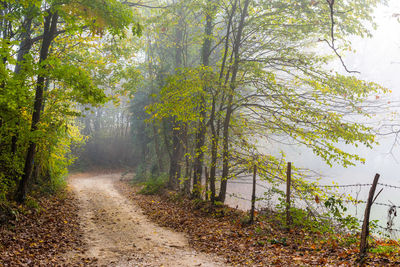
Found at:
[24, 48]
[175, 168]
[50, 27]
[177, 147]
[157, 149]
[214, 153]
[201, 133]
[214, 131]
[207, 181]
[25, 45]
[188, 176]
[229, 109]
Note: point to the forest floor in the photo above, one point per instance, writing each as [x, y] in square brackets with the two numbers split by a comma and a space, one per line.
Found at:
[92, 224]
[102, 221]
[267, 242]
[40, 232]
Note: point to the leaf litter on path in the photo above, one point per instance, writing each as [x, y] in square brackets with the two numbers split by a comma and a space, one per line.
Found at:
[265, 243]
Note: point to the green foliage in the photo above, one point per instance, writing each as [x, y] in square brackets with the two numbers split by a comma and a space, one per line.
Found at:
[283, 89]
[329, 222]
[281, 241]
[32, 203]
[154, 185]
[244, 220]
[221, 210]
[6, 185]
[337, 210]
[99, 15]
[181, 95]
[349, 240]
[303, 218]
[199, 203]
[383, 247]
[141, 174]
[76, 72]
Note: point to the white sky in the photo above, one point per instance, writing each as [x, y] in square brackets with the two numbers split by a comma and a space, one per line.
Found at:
[378, 60]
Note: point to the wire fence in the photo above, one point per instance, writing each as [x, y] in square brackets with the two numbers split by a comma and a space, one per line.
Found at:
[359, 185]
[391, 213]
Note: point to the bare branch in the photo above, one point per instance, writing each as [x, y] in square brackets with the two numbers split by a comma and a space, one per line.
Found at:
[138, 4]
[331, 44]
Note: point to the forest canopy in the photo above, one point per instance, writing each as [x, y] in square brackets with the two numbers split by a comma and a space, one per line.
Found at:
[223, 79]
[183, 89]
[53, 60]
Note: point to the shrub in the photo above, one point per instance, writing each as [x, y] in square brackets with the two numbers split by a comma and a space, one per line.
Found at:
[154, 185]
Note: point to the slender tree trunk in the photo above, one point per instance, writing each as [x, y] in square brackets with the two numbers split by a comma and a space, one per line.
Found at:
[4, 25]
[24, 48]
[157, 149]
[153, 78]
[25, 45]
[177, 152]
[229, 109]
[50, 27]
[207, 182]
[214, 151]
[177, 147]
[188, 179]
[188, 171]
[201, 132]
[214, 131]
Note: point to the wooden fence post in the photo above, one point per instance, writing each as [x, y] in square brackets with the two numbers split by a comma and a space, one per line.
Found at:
[288, 182]
[365, 227]
[253, 195]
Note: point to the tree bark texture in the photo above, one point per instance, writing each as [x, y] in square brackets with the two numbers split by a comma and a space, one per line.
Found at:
[50, 27]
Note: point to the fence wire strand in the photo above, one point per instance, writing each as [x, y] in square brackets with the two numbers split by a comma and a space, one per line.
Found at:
[354, 202]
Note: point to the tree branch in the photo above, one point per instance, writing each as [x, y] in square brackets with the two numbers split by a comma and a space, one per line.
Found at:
[142, 5]
[331, 44]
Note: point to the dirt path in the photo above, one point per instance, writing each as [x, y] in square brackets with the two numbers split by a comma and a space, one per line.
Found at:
[118, 234]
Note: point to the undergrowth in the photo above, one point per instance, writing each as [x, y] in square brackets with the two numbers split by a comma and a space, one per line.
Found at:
[154, 184]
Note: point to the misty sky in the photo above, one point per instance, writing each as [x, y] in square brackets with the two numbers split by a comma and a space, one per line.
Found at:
[378, 60]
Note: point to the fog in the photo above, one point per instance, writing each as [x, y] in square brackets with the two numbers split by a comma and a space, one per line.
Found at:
[378, 60]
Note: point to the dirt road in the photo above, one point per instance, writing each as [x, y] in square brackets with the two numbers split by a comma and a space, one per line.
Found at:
[118, 234]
